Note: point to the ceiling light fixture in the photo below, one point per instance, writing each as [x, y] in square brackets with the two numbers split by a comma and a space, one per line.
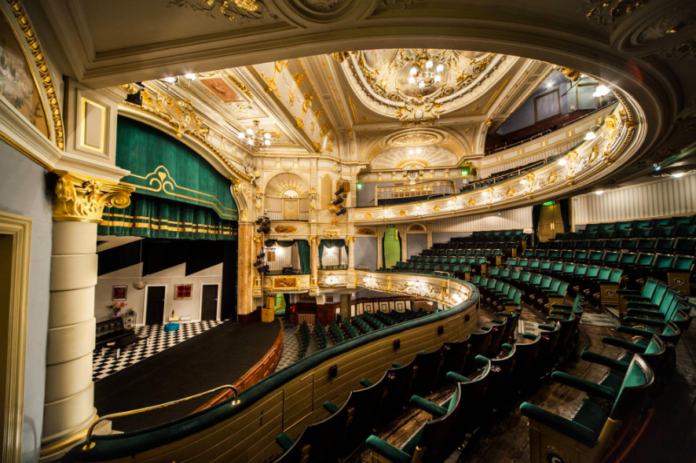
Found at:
[190, 76]
[563, 162]
[590, 135]
[171, 80]
[425, 73]
[255, 137]
[678, 174]
[599, 192]
[600, 91]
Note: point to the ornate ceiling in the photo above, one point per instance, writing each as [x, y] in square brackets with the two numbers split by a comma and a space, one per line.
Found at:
[359, 107]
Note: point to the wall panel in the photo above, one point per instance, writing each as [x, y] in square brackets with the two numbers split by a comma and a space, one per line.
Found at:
[511, 219]
[665, 197]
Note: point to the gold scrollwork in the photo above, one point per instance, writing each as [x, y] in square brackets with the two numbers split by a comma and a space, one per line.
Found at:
[510, 192]
[280, 229]
[552, 177]
[40, 61]
[83, 199]
[472, 202]
[350, 239]
[368, 215]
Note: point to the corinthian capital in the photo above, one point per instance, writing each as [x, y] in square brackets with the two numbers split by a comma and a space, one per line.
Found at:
[83, 199]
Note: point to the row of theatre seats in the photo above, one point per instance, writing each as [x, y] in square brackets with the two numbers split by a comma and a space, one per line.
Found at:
[351, 328]
[489, 370]
[670, 226]
[668, 245]
[657, 314]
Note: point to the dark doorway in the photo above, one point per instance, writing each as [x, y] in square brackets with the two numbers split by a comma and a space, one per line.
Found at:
[155, 305]
[209, 302]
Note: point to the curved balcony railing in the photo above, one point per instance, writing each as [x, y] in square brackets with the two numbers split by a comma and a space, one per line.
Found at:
[593, 157]
[292, 398]
[437, 187]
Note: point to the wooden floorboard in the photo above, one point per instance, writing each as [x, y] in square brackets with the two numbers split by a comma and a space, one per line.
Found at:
[669, 437]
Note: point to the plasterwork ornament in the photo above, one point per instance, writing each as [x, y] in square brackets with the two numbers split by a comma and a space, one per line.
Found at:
[472, 202]
[230, 9]
[283, 229]
[82, 199]
[510, 192]
[609, 12]
[552, 178]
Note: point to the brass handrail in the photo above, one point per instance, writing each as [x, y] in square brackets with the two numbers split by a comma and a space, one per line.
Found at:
[89, 444]
[417, 189]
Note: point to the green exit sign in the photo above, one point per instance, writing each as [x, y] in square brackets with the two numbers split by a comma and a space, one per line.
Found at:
[465, 172]
[549, 203]
[359, 186]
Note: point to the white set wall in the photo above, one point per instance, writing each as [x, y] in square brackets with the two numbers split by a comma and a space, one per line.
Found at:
[169, 278]
[519, 218]
[661, 198]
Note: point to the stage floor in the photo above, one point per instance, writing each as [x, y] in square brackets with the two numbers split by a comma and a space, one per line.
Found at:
[219, 356]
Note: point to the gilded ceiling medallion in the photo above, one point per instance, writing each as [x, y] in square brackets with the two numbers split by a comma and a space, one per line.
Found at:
[417, 85]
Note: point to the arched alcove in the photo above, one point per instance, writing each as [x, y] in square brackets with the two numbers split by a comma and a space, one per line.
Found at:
[326, 191]
[287, 198]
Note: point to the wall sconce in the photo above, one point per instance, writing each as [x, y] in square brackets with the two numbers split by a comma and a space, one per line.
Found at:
[397, 344]
[333, 371]
[440, 329]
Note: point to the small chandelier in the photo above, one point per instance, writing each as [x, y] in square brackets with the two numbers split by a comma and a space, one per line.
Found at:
[423, 75]
[255, 137]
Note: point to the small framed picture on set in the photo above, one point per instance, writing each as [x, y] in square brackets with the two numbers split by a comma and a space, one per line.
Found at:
[119, 293]
[183, 291]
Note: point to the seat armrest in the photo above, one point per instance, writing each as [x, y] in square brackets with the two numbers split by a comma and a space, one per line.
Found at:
[642, 305]
[428, 407]
[646, 321]
[388, 451]
[329, 407]
[529, 336]
[396, 365]
[647, 334]
[645, 313]
[573, 430]
[547, 327]
[623, 344]
[585, 386]
[284, 441]
[505, 314]
[554, 319]
[562, 306]
[366, 383]
[456, 377]
[604, 361]
[497, 322]
[560, 312]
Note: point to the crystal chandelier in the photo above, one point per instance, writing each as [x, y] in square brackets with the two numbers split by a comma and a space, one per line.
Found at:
[422, 73]
[255, 137]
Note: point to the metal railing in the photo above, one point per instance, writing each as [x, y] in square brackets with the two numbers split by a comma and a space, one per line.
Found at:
[89, 444]
[418, 189]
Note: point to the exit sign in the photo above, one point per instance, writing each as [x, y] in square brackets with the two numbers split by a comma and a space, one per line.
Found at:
[465, 173]
[359, 186]
[549, 203]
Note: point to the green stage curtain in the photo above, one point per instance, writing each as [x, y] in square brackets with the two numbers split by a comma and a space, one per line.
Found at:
[391, 248]
[565, 214]
[303, 250]
[151, 217]
[330, 244]
[162, 166]
[536, 216]
[282, 244]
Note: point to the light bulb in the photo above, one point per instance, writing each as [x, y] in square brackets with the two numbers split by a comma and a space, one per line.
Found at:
[440, 68]
[418, 151]
[267, 142]
[563, 162]
[437, 78]
[410, 151]
[241, 135]
[601, 90]
[267, 136]
[170, 80]
[590, 135]
[250, 132]
[524, 181]
[678, 174]
[411, 80]
[414, 71]
[599, 192]
[421, 84]
[429, 65]
[190, 76]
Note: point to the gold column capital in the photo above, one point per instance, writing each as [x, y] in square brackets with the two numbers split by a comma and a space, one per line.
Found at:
[314, 240]
[350, 239]
[82, 199]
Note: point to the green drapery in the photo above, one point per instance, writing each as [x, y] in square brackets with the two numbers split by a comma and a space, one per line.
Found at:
[330, 244]
[536, 216]
[565, 214]
[302, 250]
[391, 248]
[151, 217]
[164, 167]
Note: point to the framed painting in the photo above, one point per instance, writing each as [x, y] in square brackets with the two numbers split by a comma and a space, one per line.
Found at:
[368, 307]
[384, 307]
[183, 291]
[400, 306]
[119, 293]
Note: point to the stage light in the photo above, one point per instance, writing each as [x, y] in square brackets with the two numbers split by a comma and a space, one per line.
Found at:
[337, 201]
[339, 191]
[342, 211]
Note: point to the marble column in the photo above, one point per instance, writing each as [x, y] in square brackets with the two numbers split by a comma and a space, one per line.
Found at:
[247, 277]
[351, 252]
[69, 400]
[314, 262]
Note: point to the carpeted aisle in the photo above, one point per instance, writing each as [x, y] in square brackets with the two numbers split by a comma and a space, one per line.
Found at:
[219, 356]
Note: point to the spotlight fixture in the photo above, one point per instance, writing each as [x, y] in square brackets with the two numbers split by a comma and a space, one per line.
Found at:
[171, 80]
[342, 211]
[339, 191]
[337, 201]
[657, 167]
